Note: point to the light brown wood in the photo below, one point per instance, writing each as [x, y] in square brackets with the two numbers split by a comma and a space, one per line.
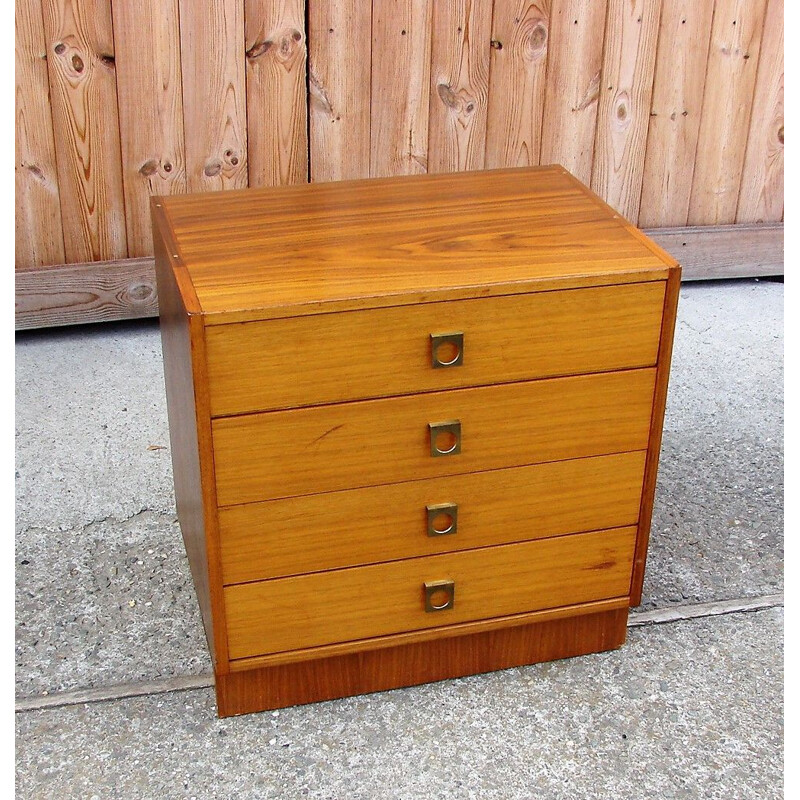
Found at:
[459, 85]
[345, 605]
[277, 96]
[39, 239]
[401, 58]
[730, 80]
[410, 664]
[656, 427]
[182, 338]
[215, 117]
[83, 96]
[329, 247]
[575, 57]
[304, 361]
[517, 82]
[761, 192]
[326, 448]
[676, 105]
[624, 106]
[386, 523]
[339, 89]
[147, 46]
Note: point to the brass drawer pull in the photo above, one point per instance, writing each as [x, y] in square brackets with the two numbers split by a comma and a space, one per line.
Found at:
[445, 438]
[439, 595]
[447, 350]
[442, 519]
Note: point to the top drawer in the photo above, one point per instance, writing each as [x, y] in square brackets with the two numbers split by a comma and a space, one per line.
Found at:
[327, 358]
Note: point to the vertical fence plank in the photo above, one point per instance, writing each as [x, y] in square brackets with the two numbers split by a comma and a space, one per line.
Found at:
[146, 41]
[517, 82]
[675, 112]
[623, 111]
[340, 40]
[575, 56]
[39, 239]
[459, 85]
[727, 100]
[212, 70]
[277, 135]
[401, 62]
[83, 95]
[761, 193]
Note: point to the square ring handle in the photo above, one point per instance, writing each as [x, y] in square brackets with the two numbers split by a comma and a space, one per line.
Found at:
[445, 438]
[442, 519]
[447, 349]
[439, 595]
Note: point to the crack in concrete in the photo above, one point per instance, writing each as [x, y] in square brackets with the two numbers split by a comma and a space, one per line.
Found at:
[205, 681]
[172, 516]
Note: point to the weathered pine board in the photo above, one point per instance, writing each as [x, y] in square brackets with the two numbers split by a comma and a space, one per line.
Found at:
[459, 85]
[761, 192]
[83, 98]
[215, 119]
[623, 111]
[147, 46]
[729, 84]
[277, 96]
[675, 109]
[575, 57]
[39, 239]
[517, 74]
[340, 37]
[401, 59]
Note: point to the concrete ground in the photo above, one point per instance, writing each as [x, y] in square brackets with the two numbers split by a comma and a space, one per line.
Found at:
[113, 678]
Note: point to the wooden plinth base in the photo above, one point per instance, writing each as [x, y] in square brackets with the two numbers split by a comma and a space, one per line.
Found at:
[424, 662]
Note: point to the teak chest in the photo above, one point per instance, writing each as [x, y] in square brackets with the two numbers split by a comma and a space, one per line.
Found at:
[415, 425]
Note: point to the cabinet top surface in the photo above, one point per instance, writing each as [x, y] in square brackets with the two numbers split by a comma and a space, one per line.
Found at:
[311, 248]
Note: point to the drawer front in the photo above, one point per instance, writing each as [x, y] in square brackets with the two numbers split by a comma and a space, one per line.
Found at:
[303, 361]
[364, 602]
[372, 442]
[384, 523]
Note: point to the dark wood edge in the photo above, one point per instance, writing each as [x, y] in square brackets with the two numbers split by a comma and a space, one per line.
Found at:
[106, 291]
[321, 679]
[656, 424]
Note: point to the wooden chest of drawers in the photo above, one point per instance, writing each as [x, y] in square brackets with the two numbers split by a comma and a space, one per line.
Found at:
[415, 425]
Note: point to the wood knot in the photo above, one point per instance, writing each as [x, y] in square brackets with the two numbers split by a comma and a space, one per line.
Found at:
[77, 63]
[107, 60]
[149, 168]
[60, 48]
[167, 166]
[140, 292]
[258, 49]
[232, 157]
[496, 44]
[780, 134]
[212, 168]
[447, 95]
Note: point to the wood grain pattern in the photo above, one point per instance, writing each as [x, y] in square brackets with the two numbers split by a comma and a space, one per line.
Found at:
[459, 85]
[86, 128]
[38, 236]
[401, 58]
[517, 82]
[386, 523]
[376, 353]
[624, 107]
[761, 192]
[346, 605]
[215, 118]
[146, 42]
[277, 96]
[183, 344]
[409, 664]
[418, 238]
[729, 85]
[575, 46]
[656, 429]
[327, 448]
[676, 106]
[339, 33]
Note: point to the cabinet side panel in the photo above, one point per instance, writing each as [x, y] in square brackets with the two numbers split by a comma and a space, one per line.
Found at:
[179, 379]
[656, 426]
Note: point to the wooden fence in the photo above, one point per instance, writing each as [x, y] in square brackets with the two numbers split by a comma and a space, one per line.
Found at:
[672, 110]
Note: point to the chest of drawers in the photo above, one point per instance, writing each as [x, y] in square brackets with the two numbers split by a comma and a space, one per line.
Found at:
[414, 423]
